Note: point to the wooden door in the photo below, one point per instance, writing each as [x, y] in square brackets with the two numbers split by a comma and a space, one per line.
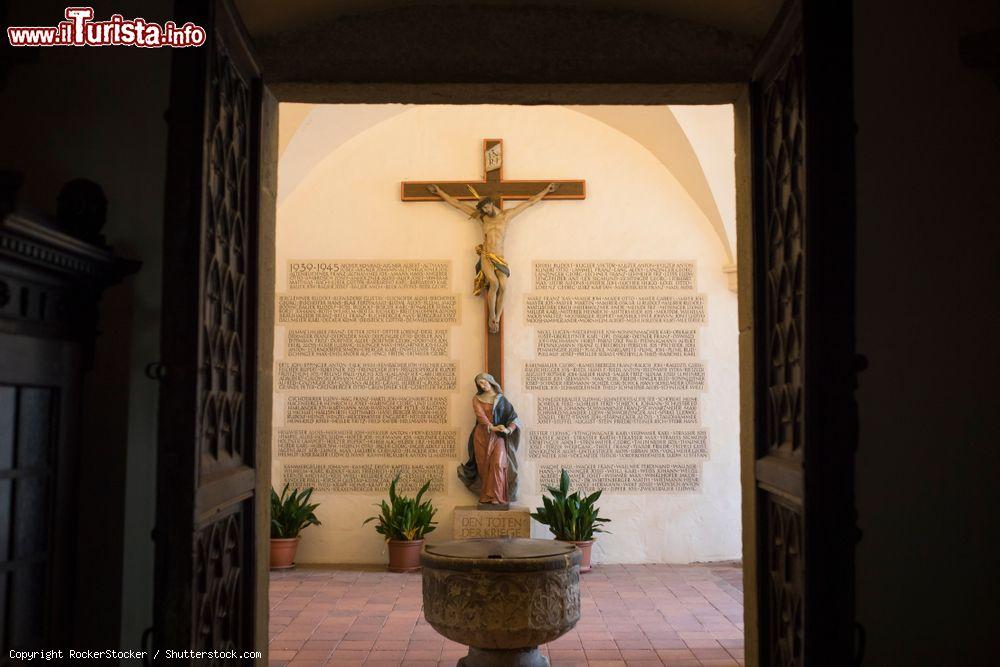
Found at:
[208, 503]
[799, 492]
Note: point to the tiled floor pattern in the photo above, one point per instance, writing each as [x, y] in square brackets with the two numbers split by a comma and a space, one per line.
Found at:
[675, 615]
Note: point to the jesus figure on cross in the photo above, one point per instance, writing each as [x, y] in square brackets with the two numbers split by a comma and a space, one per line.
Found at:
[491, 268]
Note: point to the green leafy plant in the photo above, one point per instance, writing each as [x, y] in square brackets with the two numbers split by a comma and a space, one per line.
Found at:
[291, 512]
[404, 518]
[570, 517]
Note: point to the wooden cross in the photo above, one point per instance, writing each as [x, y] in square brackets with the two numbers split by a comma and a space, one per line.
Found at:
[493, 185]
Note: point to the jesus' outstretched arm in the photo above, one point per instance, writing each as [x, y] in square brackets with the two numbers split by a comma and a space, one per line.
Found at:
[464, 208]
[528, 203]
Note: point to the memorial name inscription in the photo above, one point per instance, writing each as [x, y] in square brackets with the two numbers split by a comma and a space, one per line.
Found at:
[470, 522]
[617, 343]
[373, 444]
[614, 376]
[338, 383]
[326, 308]
[618, 410]
[617, 445]
[604, 441]
[376, 376]
[361, 274]
[366, 342]
[614, 275]
[366, 410]
[363, 478]
[625, 478]
[616, 309]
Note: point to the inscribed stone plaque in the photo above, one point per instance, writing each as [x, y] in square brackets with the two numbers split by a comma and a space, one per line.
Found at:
[655, 275]
[359, 443]
[376, 376]
[614, 376]
[625, 478]
[617, 308]
[365, 309]
[471, 522]
[363, 478]
[366, 342]
[618, 410]
[653, 350]
[631, 444]
[368, 274]
[617, 343]
[366, 410]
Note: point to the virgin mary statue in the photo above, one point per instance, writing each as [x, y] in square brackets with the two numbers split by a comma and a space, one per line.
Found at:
[491, 470]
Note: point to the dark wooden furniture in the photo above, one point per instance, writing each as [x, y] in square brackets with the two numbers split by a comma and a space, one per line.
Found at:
[50, 283]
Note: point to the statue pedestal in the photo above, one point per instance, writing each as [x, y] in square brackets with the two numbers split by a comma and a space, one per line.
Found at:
[471, 522]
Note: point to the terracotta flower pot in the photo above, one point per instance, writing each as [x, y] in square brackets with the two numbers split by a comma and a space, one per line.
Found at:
[283, 552]
[584, 547]
[404, 555]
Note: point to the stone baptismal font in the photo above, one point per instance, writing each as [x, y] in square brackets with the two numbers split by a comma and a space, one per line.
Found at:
[502, 597]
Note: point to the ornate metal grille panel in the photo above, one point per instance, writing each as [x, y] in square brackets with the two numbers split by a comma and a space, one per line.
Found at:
[784, 194]
[218, 583]
[223, 359]
[784, 582]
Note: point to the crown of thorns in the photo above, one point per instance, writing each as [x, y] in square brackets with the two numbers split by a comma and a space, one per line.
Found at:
[482, 201]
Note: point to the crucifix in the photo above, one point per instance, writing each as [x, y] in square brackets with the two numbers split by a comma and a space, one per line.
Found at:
[489, 195]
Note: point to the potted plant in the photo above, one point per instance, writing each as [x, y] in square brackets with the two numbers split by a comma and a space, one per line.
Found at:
[404, 522]
[571, 517]
[290, 513]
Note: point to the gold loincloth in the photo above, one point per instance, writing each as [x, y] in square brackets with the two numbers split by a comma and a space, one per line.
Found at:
[499, 263]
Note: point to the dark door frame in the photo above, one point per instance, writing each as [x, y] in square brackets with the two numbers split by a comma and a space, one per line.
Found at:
[827, 468]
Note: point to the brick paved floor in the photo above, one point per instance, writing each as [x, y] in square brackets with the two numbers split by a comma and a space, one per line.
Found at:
[631, 615]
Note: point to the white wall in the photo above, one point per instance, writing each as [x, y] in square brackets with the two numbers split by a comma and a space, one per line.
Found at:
[348, 207]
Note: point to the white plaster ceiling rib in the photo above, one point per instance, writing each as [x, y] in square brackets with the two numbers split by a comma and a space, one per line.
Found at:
[711, 132]
[290, 117]
[657, 129]
[305, 148]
